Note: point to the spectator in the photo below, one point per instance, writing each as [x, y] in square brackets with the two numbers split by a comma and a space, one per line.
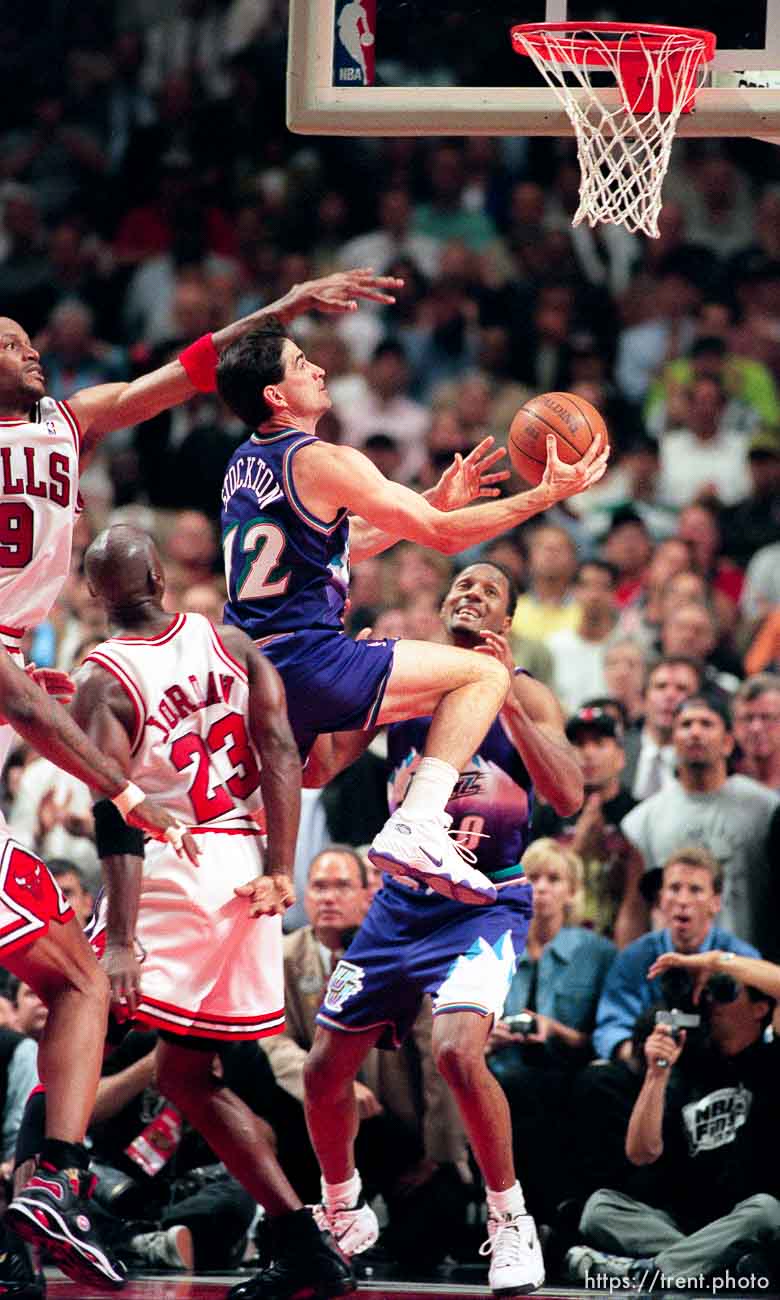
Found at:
[594, 833]
[392, 239]
[690, 631]
[444, 217]
[642, 617]
[702, 458]
[25, 270]
[644, 349]
[703, 1136]
[698, 527]
[758, 700]
[18, 1065]
[192, 546]
[631, 482]
[59, 160]
[71, 355]
[625, 675]
[558, 983]
[72, 885]
[549, 603]
[762, 583]
[31, 1013]
[755, 521]
[384, 406]
[734, 817]
[751, 394]
[689, 901]
[629, 548]
[668, 683]
[52, 815]
[717, 202]
[579, 654]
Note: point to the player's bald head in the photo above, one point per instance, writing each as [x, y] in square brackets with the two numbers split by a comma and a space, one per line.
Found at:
[123, 566]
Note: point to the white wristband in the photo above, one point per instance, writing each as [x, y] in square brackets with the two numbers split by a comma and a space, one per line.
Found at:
[128, 799]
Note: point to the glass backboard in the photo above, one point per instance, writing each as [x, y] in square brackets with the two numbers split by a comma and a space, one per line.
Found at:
[446, 67]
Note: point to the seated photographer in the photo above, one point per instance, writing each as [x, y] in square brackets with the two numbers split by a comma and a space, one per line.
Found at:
[689, 901]
[544, 1035]
[706, 1126]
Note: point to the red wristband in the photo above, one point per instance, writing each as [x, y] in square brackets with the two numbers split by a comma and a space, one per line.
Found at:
[200, 361]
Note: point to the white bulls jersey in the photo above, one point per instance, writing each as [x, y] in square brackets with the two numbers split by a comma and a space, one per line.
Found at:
[191, 748]
[39, 501]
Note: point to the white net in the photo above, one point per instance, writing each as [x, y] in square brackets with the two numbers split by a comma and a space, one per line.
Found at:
[623, 151]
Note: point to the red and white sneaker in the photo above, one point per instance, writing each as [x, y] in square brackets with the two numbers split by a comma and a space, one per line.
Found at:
[425, 851]
[354, 1228]
[53, 1212]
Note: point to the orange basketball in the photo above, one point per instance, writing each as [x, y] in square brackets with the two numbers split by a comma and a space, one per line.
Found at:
[574, 422]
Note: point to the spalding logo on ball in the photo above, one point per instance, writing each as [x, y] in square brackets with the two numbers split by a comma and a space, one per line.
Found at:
[573, 421]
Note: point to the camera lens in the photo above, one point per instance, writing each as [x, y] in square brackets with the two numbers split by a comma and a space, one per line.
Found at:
[722, 988]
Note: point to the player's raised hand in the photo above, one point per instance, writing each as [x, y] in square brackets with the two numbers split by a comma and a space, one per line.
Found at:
[154, 821]
[339, 292]
[268, 895]
[467, 478]
[497, 646]
[562, 480]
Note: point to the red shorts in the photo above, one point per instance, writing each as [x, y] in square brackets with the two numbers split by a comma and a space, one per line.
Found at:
[29, 897]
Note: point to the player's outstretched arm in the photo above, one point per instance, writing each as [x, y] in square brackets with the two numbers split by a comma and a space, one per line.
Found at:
[533, 718]
[328, 478]
[44, 723]
[107, 407]
[466, 479]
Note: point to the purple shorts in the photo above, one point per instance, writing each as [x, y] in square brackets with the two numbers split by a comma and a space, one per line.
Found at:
[332, 682]
[414, 942]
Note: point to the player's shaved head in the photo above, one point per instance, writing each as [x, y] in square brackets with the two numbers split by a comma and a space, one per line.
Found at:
[123, 567]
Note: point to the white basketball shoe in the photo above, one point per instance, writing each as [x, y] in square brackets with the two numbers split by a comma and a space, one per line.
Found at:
[425, 851]
[516, 1263]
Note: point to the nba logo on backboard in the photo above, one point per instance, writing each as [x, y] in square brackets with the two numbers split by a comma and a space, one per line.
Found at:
[354, 54]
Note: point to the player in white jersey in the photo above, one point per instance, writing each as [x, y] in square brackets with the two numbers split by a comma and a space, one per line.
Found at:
[42, 943]
[199, 715]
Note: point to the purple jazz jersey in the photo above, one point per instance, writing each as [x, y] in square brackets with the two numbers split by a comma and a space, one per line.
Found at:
[492, 802]
[287, 575]
[414, 942]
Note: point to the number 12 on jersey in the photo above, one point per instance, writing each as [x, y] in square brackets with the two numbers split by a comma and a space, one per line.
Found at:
[255, 553]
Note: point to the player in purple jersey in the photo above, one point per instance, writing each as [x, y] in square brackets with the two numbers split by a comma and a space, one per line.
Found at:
[288, 538]
[413, 942]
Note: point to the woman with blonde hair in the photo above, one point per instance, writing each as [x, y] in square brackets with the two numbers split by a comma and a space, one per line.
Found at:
[545, 1032]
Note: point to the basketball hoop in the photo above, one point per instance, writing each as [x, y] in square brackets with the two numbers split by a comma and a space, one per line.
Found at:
[624, 151]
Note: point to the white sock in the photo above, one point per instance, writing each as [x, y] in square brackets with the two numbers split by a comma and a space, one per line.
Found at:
[342, 1194]
[511, 1201]
[431, 788]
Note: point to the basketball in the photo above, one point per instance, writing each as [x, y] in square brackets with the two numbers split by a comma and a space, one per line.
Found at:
[574, 422]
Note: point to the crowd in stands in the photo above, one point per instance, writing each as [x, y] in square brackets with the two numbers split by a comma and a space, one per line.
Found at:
[149, 192]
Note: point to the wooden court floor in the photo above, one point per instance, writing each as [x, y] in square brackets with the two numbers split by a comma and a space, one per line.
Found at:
[216, 1287]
